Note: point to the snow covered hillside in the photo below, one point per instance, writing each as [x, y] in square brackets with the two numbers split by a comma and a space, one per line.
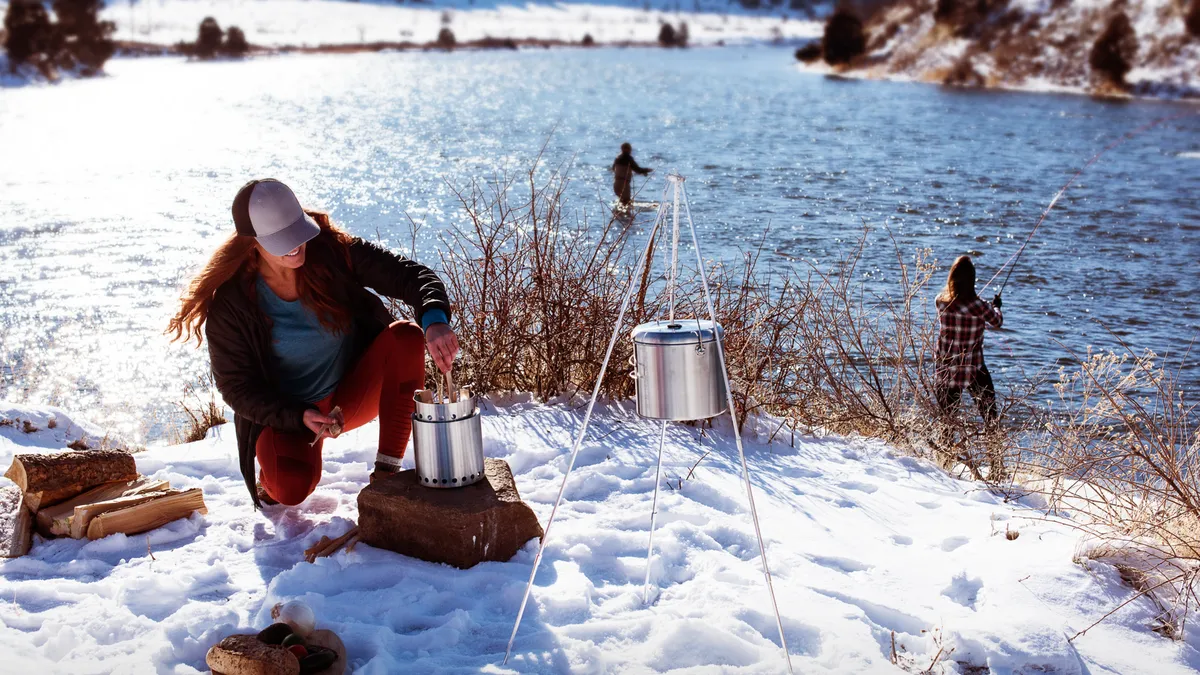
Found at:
[314, 22]
[1029, 44]
[864, 544]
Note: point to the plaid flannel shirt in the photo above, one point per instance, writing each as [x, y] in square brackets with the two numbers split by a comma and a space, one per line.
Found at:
[960, 340]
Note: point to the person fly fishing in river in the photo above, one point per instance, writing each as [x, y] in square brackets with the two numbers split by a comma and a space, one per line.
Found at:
[295, 335]
[963, 317]
[623, 168]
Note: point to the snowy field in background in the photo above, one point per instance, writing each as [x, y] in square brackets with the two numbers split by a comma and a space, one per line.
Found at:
[312, 22]
[862, 543]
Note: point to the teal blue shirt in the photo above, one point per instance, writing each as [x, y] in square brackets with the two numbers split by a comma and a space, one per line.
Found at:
[309, 358]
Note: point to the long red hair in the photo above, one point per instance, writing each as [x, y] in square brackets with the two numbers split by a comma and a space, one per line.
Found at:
[237, 257]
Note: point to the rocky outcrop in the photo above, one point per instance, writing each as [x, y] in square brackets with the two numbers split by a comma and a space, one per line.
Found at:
[460, 526]
[1031, 44]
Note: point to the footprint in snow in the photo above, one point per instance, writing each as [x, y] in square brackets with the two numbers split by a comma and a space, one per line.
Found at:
[843, 565]
[964, 591]
[902, 540]
[953, 543]
[858, 485]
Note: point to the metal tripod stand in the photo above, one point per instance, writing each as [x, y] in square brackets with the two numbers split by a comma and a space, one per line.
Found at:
[678, 195]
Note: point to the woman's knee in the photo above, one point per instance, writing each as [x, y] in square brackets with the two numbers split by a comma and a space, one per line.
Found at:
[293, 481]
[407, 334]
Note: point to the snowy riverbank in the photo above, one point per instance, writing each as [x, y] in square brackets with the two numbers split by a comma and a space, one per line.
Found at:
[862, 543]
[313, 22]
[1030, 45]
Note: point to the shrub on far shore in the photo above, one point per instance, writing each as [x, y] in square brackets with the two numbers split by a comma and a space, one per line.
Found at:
[446, 39]
[1113, 52]
[1192, 20]
[209, 38]
[76, 40]
[844, 39]
[28, 32]
[235, 42]
[809, 52]
[588, 40]
[670, 36]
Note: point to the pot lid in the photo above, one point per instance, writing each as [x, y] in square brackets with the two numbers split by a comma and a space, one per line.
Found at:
[679, 331]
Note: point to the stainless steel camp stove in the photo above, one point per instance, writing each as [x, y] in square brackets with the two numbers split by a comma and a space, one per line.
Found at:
[447, 438]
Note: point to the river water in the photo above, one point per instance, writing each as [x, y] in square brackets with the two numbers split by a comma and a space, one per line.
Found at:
[113, 190]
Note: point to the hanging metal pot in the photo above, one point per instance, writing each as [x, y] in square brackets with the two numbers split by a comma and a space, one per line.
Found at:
[678, 370]
[447, 438]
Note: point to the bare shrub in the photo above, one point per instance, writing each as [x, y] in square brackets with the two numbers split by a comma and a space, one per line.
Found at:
[446, 39]
[536, 296]
[200, 414]
[1192, 21]
[1120, 453]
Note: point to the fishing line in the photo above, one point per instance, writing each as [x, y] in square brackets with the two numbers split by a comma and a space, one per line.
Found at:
[1011, 263]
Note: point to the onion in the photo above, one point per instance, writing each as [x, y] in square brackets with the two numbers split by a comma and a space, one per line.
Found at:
[297, 615]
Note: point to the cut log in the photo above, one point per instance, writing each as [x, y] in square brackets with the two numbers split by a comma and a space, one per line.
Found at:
[16, 524]
[55, 477]
[156, 512]
[56, 520]
[83, 515]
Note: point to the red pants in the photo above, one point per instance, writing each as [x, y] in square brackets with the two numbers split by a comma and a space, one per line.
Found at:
[380, 385]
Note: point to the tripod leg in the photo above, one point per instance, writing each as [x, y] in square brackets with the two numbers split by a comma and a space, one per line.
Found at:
[662, 437]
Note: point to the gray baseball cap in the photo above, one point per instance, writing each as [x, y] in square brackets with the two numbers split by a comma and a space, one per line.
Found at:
[268, 210]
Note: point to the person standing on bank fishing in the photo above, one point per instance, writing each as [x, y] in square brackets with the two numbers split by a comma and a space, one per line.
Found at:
[294, 332]
[963, 317]
[623, 168]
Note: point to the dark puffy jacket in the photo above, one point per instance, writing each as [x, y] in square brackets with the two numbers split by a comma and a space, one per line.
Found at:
[239, 334]
[623, 168]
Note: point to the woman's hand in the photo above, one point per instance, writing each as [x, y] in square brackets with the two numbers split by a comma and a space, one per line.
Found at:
[316, 421]
[442, 345]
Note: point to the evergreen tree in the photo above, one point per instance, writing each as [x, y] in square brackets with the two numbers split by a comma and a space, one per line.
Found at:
[208, 40]
[28, 32]
[1113, 52]
[235, 42]
[86, 39]
[844, 37]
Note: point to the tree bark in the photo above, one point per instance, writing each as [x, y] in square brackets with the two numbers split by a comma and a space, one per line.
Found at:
[51, 478]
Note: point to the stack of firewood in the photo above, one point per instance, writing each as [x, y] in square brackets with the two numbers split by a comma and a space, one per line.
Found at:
[92, 494]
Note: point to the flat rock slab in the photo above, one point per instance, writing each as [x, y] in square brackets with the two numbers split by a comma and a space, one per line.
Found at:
[461, 526]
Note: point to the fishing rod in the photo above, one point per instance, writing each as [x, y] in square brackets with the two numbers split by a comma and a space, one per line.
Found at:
[1011, 263]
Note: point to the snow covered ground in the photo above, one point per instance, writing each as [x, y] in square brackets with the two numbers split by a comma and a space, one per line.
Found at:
[312, 22]
[863, 544]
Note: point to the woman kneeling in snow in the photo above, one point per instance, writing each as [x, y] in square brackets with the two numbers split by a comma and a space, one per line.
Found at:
[293, 333]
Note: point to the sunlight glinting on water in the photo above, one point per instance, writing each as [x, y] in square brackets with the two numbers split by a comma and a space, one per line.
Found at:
[121, 187]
